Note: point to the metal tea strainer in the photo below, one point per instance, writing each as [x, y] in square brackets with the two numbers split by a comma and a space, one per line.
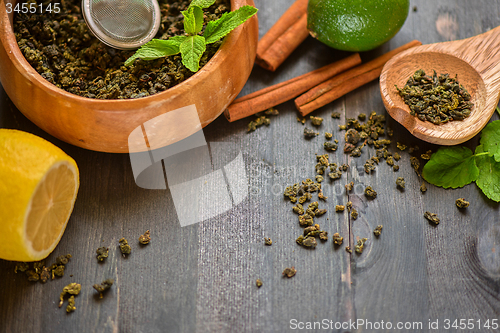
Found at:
[122, 24]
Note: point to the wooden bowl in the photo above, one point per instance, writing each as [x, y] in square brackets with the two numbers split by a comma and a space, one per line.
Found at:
[105, 125]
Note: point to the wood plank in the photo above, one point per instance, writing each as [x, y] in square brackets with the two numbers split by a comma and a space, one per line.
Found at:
[201, 278]
[158, 280]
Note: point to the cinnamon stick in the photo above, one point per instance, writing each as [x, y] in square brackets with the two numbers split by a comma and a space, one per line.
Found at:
[279, 93]
[283, 37]
[346, 82]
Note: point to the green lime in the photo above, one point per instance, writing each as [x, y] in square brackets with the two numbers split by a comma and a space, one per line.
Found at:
[356, 25]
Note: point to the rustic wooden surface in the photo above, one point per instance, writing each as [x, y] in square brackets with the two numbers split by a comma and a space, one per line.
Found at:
[201, 278]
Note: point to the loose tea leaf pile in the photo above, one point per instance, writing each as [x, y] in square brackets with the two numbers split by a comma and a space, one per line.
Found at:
[438, 99]
[61, 48]
[40, 272]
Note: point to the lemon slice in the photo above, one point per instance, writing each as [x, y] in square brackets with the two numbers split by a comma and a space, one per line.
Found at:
[38, 188]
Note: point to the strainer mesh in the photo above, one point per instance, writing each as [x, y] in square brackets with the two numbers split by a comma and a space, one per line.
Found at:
[127, 21]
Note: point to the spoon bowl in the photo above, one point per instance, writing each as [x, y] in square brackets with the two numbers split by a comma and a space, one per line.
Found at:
[475, 61]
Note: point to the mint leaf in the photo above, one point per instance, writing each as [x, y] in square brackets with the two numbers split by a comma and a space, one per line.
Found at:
[193, 20]
[202, 3]
[490, 139]
[198, 18]
[177, 39]
[154, 49]
[498, 110]
[451, 167]
[489, 175]
[191, 50]
[216, 30]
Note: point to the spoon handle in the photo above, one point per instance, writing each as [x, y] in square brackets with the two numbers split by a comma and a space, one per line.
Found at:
[482, 52]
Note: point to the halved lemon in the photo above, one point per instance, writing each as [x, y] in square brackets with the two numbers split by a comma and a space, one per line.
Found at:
[38, 188]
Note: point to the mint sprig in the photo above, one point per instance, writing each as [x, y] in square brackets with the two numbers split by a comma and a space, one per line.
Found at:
[459, 166]
[192, 45]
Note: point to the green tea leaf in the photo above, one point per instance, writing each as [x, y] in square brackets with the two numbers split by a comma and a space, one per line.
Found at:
[490, 139]
[216, 30]
[191, 50]
[451, 167]
[202, 3]
[193, 20]
[489, 175]
[154, 49]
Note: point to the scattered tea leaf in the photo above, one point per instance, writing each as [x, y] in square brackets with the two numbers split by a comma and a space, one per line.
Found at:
[316, 121]
[462, 203]
[337, 240]
[360, 245]
[289, 272]
[146, 238]
[105, 285]
[102, 253]
[370, 193]
[400, 182]
[431, 217]
[71, 289]
[124, 247]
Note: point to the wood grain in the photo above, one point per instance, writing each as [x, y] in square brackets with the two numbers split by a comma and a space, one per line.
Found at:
[201, 278]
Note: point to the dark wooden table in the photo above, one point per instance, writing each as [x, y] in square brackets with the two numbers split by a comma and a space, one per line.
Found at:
[201, 278]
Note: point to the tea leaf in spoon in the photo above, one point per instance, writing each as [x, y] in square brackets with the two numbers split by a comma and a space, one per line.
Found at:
[489, 175]
[490, 139]
[451, 167]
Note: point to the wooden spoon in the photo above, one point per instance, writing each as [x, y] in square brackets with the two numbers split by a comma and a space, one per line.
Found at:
[475, 60]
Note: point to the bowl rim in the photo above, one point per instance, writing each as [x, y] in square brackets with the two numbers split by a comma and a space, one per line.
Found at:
[119, 105]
